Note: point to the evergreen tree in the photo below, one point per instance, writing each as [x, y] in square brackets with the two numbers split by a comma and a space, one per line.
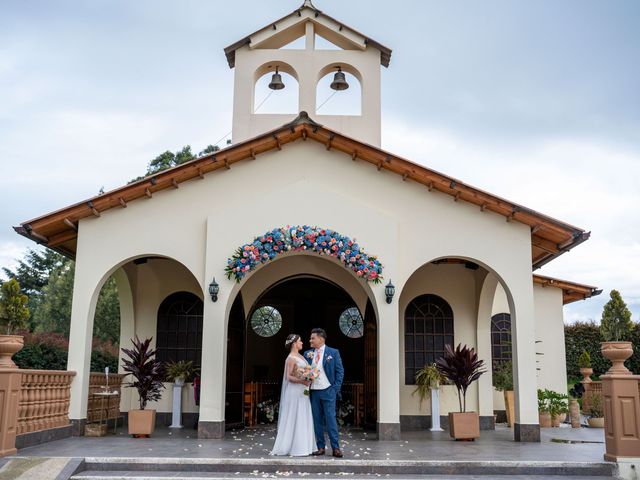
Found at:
[616, 322]
[14, 311]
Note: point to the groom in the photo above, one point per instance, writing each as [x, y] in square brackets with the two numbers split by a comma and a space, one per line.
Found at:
[324, 390]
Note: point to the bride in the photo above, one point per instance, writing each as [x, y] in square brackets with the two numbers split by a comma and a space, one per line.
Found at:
[295, 434]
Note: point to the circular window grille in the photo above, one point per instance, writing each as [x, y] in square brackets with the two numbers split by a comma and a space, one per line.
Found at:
[351, 323]
[266, 321]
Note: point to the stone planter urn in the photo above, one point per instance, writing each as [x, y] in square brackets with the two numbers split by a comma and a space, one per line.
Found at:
[586, 375]
[9, 346]
[617, 353]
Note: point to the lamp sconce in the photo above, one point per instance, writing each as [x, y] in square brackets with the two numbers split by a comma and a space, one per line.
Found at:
[389, 291]
[214, 288]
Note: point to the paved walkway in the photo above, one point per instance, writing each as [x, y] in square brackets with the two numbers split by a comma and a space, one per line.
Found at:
[357, 445]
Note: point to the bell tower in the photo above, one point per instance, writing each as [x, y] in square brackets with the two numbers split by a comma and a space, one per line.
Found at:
[262, 53]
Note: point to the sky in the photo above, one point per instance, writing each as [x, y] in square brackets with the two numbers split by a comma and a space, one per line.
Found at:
[538, 102]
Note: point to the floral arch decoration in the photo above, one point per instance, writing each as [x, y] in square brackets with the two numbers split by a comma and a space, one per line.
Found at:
[303, 237]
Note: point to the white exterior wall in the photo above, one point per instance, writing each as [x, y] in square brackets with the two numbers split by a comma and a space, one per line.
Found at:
[201, 224]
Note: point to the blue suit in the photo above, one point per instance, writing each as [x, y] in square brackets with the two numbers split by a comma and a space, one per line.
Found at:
[323, 402]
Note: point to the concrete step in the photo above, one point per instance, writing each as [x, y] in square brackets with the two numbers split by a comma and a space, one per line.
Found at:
[306, 467]
[98, 475]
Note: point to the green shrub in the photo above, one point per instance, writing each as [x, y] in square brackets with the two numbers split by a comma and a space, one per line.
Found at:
[41, 357]
[584, 360]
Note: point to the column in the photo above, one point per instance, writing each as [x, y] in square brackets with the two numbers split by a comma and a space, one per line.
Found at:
[127, 327]
[10, 385]
[520, 293]
[214, 365]
[483, 342]
[388, 368]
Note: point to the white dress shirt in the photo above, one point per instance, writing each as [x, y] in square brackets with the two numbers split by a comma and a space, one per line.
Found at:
[322, 382]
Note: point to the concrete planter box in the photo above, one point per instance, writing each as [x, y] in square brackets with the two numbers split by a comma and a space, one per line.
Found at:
[142, 422]
[464, 426]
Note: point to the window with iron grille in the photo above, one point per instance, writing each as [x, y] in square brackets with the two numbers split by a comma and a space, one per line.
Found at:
[428, 327]
[179, 329]
[500, 338]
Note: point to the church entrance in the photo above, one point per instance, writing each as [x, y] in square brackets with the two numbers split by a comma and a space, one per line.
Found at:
[256, 354]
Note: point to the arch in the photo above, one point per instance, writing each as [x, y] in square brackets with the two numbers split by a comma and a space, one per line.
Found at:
[267, 101]
[347, 102]
[428, 327]
[179, 328]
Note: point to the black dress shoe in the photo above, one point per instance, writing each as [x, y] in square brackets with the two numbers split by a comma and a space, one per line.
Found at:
[318, 452]
[337, 453]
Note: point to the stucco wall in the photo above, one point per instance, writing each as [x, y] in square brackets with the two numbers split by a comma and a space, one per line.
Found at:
[550, 333]
[205, 220]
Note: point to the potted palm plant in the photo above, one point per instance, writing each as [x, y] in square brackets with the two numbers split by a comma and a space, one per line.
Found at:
[14, 314]
[146, 370]
[179, 373]
[503, 382]
[462, 367]
[428, 381]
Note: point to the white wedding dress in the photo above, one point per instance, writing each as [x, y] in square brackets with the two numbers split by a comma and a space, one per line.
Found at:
[295, 434]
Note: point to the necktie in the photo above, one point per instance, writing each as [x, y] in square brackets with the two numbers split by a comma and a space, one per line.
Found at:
[316, 360]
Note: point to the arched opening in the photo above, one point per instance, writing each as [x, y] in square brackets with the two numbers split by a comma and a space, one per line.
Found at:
[179, 329]
[265, 312]
[344, 102]
[269, 101]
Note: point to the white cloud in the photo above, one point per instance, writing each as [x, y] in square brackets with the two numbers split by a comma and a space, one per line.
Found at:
[591, 185]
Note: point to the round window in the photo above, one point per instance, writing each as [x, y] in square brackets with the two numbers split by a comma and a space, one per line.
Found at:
[351, 323]
[266, 321]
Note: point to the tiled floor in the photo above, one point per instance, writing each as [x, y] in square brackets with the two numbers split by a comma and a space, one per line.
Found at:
[356, 444]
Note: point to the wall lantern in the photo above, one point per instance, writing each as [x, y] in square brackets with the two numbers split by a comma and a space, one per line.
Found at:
[214, 288]
[389, 291]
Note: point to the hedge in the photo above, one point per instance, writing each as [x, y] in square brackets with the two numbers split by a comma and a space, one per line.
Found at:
[49, 352]
[582, 336]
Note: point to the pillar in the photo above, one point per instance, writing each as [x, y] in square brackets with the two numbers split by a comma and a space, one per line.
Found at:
[10, 385]
[388, 369]
[127, 327]
[85, 296]
[483, 342]
[520, 293]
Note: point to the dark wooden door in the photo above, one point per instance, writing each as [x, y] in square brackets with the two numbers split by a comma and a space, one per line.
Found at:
[234, 398]
[370, 367]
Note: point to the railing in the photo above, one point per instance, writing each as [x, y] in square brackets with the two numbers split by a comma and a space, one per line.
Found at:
[44, 400]
[98, 383]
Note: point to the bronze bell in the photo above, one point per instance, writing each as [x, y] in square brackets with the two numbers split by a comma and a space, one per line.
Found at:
[339, 82]
[276, 81]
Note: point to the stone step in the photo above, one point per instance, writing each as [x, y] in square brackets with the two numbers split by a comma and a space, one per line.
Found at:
[125, 475]
[315, 468]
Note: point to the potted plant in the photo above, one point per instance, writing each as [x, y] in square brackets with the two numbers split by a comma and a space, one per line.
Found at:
[503, 382]
[584, 362]
[615, 327]
[14, 314]
[428, 381]
[596, 411]
[179, 373]
[461, 367]
[146, 370]
[544, 416]
[558, 407]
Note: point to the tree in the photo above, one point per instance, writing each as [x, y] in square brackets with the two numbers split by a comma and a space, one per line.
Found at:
[616, 321]
[14, 311]
[169, 159]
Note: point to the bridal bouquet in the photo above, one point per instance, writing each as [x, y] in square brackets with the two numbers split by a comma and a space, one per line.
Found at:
[308, 372]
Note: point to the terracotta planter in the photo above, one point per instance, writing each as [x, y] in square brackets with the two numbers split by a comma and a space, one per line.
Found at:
[617, 353]
[509, 406]
[142, 422]
[574, 413]
[9, 345]
[558, 419]
[464, 426]
[544, 418]
[596, 422]
[586, 374]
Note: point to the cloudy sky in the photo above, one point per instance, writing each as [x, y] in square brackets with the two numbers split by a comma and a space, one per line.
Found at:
[538, 102]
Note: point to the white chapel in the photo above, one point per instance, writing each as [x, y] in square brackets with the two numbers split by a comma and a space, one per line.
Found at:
[305, 221]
